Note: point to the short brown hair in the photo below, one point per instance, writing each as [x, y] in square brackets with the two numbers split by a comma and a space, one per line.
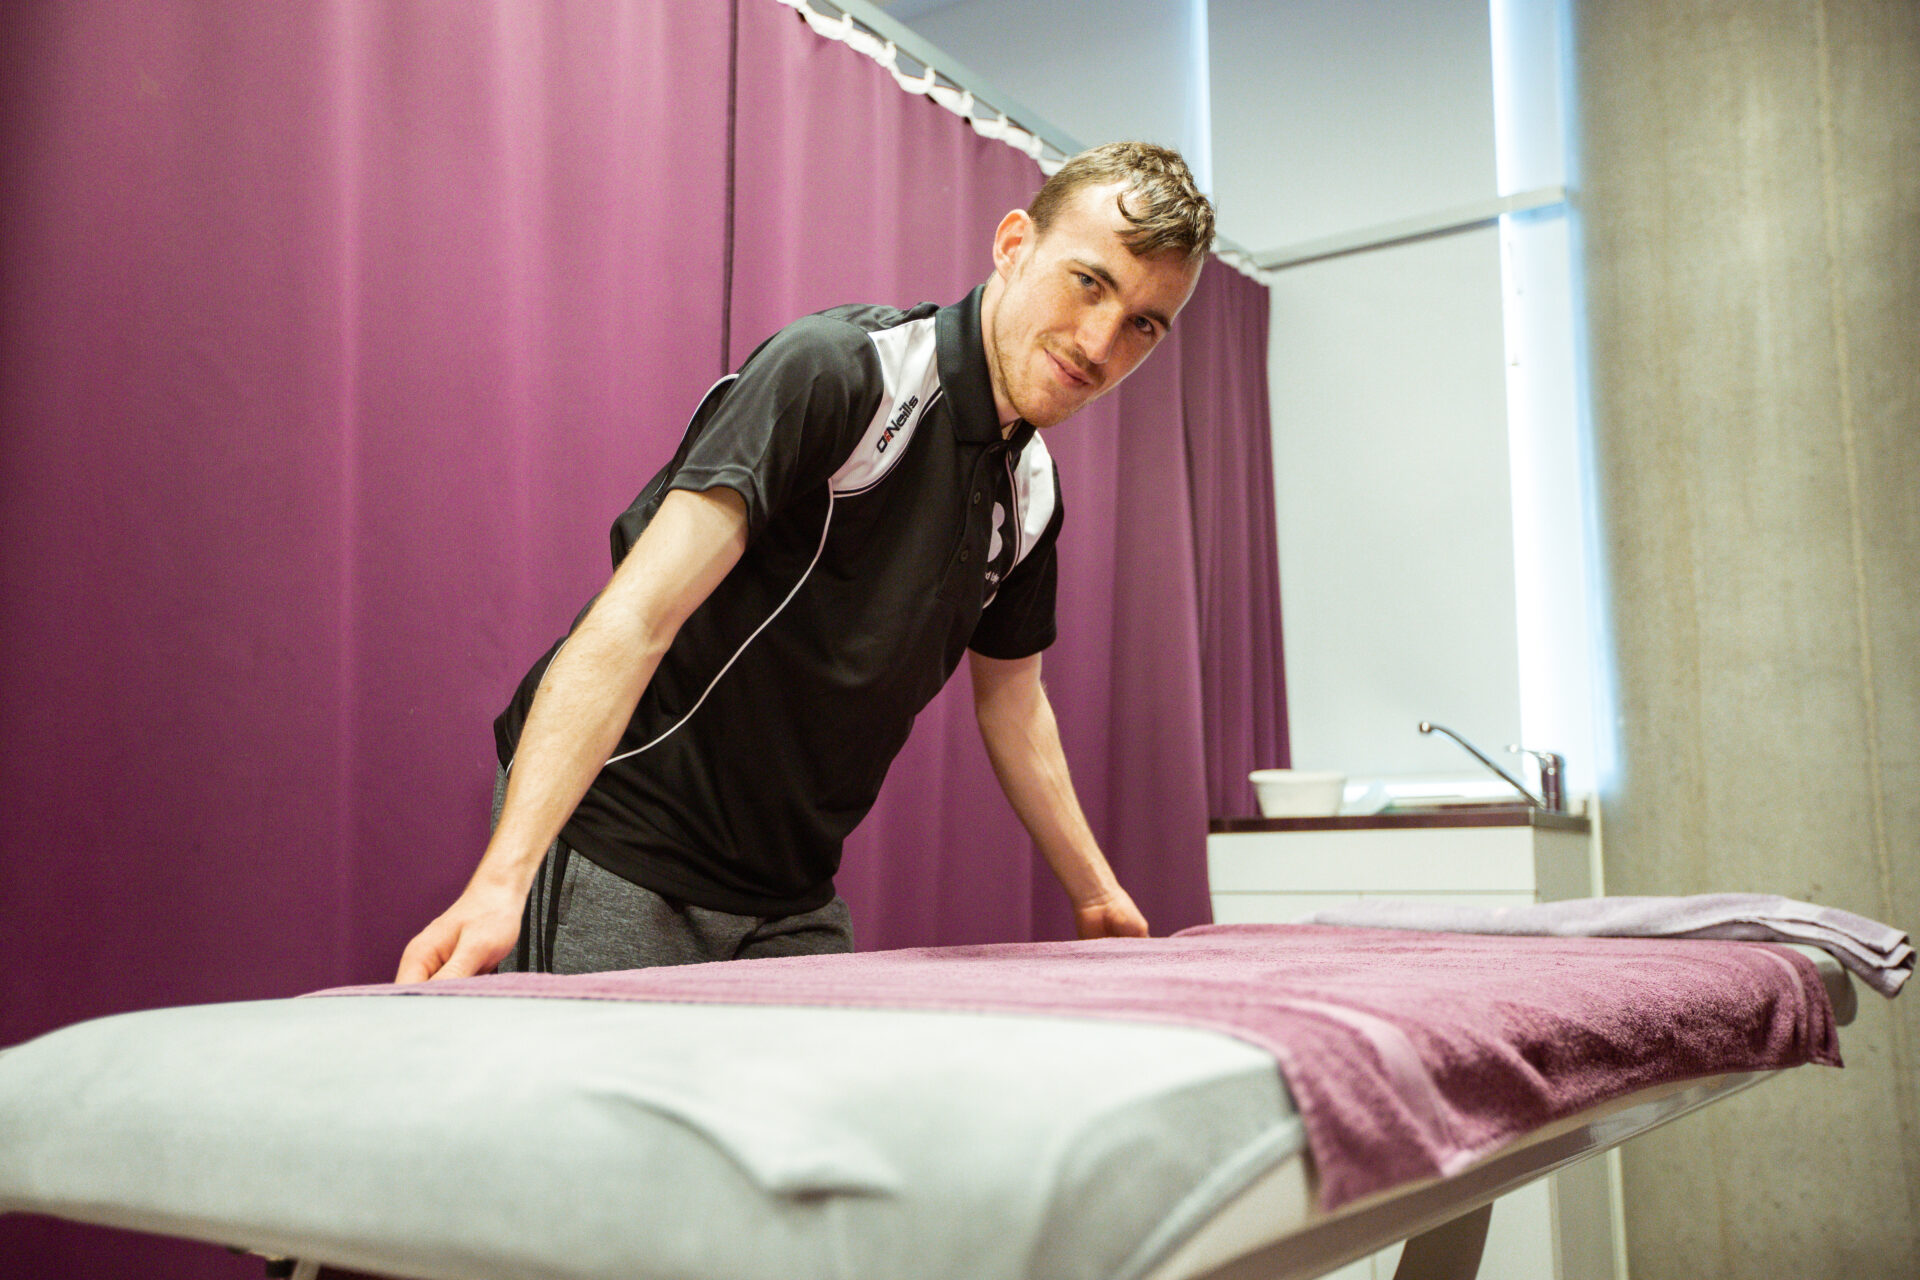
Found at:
[1165, 208]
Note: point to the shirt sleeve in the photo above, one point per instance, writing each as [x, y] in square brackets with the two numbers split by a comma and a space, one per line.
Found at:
[1019, 621]
[788, 420]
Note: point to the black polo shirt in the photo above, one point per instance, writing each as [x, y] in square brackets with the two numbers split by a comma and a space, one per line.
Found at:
[890, 528]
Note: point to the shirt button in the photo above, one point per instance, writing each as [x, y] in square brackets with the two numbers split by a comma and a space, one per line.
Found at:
[976, 497]
[966, 554]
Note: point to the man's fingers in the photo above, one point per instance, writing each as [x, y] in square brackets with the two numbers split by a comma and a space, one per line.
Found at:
[1117, 919]
[482, 945]
[466, 961]
[424, 955]
[413, 970]
[470, 937]
[416, 964]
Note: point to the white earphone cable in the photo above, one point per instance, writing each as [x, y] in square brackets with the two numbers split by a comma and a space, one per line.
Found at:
[817, 551]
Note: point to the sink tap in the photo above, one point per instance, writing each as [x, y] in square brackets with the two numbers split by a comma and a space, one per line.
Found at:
[1552, 770]
[1553, 776]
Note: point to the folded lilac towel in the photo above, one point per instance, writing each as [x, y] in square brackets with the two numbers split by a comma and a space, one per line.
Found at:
[1880, 955]
[1408, 1055]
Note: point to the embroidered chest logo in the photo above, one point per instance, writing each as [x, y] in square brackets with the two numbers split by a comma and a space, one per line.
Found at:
[899, 421]
[1001, 545]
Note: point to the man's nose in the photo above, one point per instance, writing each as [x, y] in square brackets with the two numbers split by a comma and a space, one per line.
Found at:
[1098, 332]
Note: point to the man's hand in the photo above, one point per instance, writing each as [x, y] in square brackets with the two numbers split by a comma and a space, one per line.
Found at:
[1112, 917]
[469, 937]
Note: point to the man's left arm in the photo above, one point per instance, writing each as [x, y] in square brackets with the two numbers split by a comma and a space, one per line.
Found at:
[1023, 742]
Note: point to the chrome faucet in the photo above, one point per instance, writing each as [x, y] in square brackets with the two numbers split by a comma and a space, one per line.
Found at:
[1553, 786]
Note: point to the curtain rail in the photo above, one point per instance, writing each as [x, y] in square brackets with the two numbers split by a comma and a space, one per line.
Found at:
[950, 71]
[1409, 230]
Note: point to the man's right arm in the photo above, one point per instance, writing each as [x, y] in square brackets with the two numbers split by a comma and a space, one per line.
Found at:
[583, 705]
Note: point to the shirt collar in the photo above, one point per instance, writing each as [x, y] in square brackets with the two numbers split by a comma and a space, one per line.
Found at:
[964, 376]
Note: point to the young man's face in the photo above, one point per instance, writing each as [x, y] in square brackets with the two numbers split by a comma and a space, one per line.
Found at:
[1071, 312]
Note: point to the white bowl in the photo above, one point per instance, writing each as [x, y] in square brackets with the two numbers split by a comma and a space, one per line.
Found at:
[1298, 793]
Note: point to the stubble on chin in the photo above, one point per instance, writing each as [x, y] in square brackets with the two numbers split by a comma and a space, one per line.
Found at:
[1064, 401]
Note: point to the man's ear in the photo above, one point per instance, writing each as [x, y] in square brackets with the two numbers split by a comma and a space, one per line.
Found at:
[1011, 240]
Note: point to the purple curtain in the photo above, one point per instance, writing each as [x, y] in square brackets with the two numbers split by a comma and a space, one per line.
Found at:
[1223, 395]
[333, 334]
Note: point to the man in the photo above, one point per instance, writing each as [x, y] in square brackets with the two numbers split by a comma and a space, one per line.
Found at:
[862, 503]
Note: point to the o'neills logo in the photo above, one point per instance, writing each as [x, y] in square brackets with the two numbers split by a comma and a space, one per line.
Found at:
[899, 420]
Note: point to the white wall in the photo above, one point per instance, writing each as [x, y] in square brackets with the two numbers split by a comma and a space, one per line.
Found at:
[1387, 369]
[1390, 463]
[1332, 115]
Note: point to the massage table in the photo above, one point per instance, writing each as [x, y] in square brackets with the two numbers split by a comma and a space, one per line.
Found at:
[934, 1115]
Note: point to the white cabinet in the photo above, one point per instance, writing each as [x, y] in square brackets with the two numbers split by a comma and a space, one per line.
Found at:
[1273, 870]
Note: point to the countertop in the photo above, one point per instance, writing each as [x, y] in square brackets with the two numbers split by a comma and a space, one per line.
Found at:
[1479, 815]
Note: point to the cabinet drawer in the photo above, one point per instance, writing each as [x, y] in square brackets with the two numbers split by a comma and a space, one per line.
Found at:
[1436, 860]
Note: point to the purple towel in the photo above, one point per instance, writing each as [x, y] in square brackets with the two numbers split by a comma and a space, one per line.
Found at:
[1878, 954]
[1409, 1055]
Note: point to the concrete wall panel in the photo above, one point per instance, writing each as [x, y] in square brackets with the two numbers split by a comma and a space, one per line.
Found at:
[1751, 214]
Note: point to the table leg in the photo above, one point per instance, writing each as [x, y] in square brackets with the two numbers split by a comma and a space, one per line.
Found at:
[1450, 1251]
